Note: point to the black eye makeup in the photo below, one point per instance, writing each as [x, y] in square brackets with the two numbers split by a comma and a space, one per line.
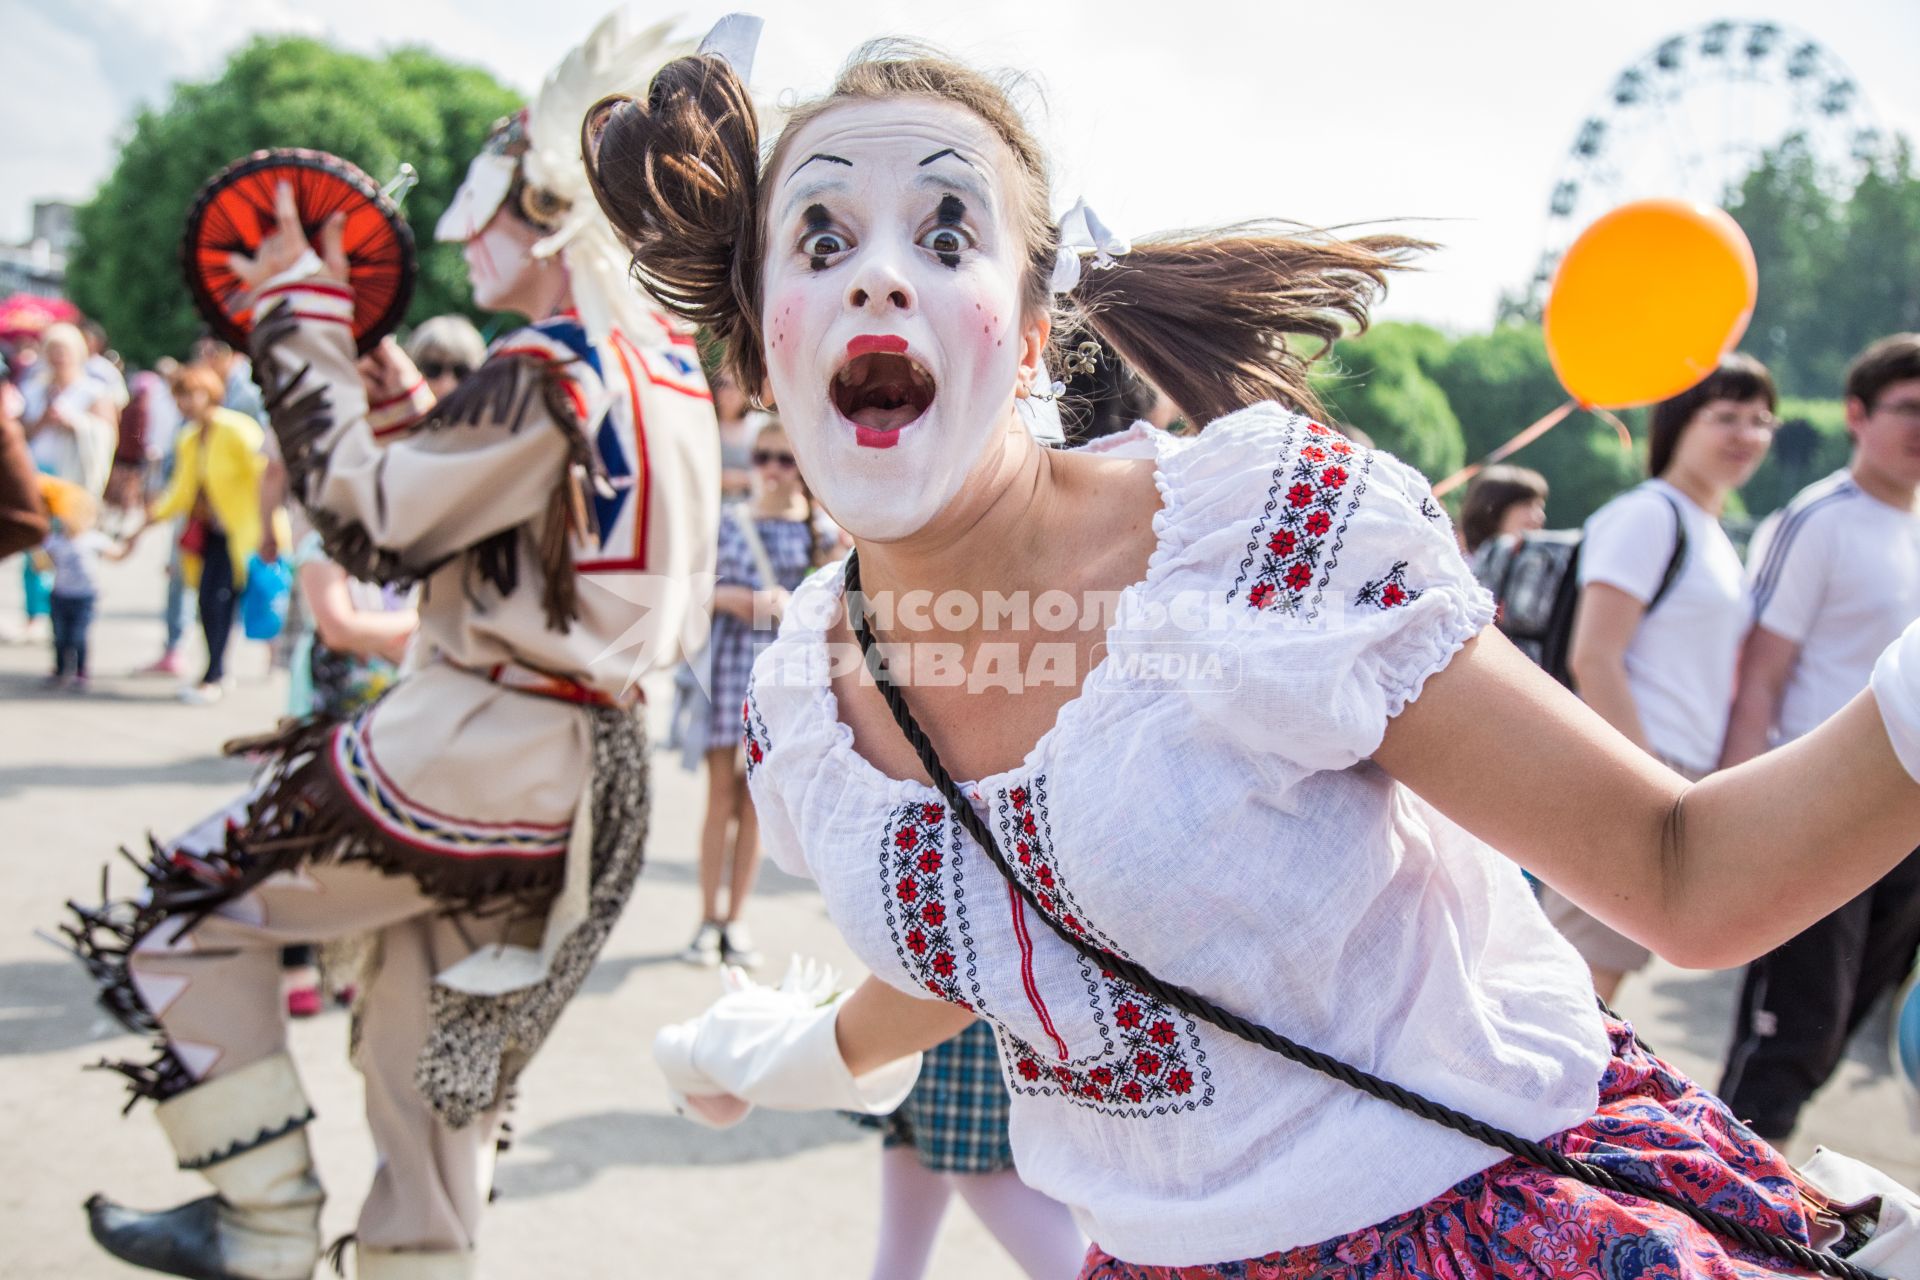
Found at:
[818, 239]
[947, 239]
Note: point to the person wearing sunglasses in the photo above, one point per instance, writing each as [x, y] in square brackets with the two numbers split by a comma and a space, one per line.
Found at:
[446, 349]
[767, 545]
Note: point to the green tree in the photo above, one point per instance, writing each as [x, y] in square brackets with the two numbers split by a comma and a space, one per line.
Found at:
[1836, 266]
[1500, 382]
[410, 106]
[1378, 383]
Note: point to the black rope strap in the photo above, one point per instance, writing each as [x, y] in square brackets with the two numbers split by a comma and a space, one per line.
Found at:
[1766, 1243]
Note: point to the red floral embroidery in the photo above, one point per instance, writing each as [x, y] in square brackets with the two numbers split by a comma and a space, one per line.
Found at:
[1289, 547]
[1147, 1060]
[756, 735]
[1389, 591]
[917, 913]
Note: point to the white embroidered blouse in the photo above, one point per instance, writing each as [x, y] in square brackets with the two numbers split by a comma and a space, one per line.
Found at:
[1219, 823]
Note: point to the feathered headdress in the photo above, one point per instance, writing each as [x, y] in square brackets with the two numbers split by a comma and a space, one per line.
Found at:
[534, 159]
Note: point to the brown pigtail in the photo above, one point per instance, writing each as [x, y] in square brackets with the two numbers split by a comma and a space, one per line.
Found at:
[677, 175]
[1206, 316]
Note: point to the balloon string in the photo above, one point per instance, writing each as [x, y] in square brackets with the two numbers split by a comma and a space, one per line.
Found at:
[1512, 446]
[1619, 427]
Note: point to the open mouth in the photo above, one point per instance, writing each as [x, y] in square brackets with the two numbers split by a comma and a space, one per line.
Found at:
[882, 391]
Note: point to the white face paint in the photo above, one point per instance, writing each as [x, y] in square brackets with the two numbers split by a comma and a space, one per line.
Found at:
[505, 274]
[892, 306]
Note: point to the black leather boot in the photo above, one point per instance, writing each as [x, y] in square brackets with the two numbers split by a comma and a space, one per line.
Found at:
[246, 1134]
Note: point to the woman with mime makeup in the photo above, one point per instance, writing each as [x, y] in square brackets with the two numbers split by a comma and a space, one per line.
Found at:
[1319, 832]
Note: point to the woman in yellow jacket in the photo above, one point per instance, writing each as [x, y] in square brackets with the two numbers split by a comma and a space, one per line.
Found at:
[217, 469]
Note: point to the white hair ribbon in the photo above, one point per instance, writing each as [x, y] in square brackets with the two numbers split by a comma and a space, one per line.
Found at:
[735, 37]
[1082, 233]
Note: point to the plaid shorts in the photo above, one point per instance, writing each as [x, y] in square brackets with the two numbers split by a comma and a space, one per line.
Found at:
[956, 1117]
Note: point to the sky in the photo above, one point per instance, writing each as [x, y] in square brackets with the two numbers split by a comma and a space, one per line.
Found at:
[1452, 122]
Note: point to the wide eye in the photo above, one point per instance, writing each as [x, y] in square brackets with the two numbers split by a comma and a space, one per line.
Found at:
[946, 240]
[822, 244]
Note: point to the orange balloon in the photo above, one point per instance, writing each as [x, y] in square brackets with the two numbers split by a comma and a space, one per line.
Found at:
[1647, 300]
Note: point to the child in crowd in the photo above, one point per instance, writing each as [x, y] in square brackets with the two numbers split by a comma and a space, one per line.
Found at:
[72, 550]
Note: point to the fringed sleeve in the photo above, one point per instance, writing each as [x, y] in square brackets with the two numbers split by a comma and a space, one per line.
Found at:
[505, 450]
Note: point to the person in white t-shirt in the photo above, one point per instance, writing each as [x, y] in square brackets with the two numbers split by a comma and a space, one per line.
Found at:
[1663, 604]
[1836, 574]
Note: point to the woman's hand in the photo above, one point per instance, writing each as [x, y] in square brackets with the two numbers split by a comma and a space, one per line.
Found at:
[800, 1047]
[287, 243]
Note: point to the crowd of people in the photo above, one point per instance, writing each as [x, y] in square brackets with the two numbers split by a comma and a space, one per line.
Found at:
[1049, 886]
[1706, 664]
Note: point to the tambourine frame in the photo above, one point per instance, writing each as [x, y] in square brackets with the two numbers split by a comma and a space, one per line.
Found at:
[213, 284]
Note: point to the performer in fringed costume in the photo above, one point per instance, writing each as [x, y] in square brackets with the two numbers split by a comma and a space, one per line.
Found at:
[480, 827]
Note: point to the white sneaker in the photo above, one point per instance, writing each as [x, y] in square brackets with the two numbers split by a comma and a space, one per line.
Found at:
[736, 946]
[201, 695]
[704, 950]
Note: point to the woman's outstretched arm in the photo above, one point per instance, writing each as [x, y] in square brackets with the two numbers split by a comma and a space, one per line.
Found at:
[1708, 875]
[879, 1024]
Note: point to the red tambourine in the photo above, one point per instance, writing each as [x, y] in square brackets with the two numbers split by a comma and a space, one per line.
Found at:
[234, 212]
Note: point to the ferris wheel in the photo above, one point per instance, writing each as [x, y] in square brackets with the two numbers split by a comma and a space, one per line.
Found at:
[1694, 115]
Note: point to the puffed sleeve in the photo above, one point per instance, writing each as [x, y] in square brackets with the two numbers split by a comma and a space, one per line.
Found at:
[778, 834]
[488, 459]
[1335, 581]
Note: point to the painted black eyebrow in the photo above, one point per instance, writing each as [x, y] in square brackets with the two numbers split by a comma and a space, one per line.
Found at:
[818, 155]
[947, 152]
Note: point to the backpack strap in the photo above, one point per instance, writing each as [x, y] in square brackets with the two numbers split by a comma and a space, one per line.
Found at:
[1677, 560]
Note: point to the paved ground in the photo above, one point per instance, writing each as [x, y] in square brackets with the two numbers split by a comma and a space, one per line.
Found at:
[604, 1180]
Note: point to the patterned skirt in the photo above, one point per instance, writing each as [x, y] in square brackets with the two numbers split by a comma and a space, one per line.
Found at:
[955, 1118]
[1518, 1220]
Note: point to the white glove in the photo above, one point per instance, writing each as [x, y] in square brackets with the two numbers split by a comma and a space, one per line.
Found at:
[1896, 688]
[772, 1047]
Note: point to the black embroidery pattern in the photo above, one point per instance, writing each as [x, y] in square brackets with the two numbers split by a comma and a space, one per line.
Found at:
[919, 846]
[1390, 591]
[1152, 1062]
[1431, 510]
[1290, 551]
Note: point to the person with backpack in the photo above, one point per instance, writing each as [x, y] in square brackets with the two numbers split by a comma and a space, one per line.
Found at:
[1834, 573]
[1663, 604]
[1502, 502]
